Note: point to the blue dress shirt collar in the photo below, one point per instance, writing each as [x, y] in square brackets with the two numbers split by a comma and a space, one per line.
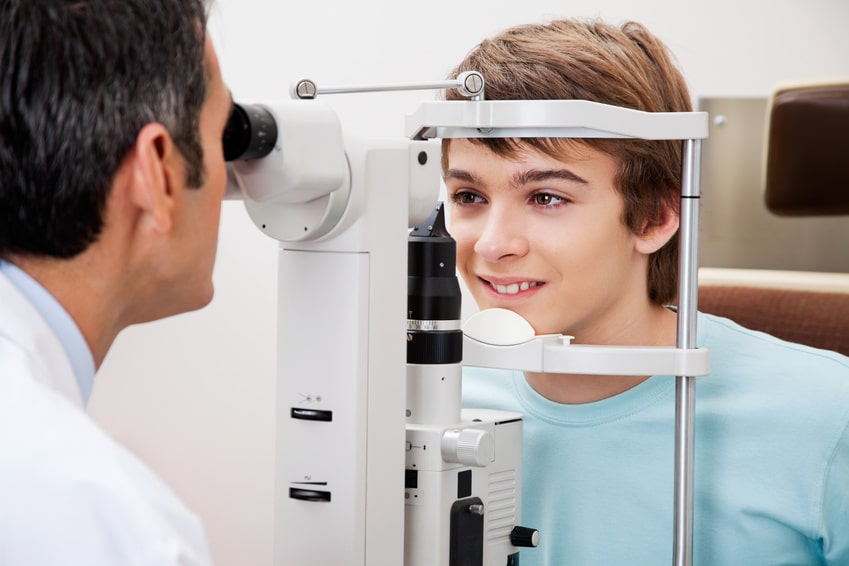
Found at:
[60, 322]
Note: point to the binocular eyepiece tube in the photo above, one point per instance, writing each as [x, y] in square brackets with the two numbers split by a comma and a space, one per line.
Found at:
[251, 133]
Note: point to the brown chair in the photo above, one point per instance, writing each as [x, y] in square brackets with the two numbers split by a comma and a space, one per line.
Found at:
[806, 174]
[807, 150]
[814, 318]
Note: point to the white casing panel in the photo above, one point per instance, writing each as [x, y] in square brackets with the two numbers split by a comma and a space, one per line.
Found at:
[498, 485]
[341, 344]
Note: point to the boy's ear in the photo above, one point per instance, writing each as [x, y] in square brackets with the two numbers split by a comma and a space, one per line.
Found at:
[157, 166]
[656, 235]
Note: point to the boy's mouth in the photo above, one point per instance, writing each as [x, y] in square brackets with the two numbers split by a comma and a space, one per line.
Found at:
[512, 288]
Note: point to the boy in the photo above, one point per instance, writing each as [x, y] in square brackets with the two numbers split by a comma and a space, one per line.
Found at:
[580, 238]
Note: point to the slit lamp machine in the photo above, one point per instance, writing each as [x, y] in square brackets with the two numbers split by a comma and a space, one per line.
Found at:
[377, 464]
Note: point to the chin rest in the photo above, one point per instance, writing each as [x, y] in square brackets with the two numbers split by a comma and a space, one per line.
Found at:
[807, 161]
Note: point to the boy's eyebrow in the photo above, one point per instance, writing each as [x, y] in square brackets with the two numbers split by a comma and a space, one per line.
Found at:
[521, 178]
[537, 175]
[461, 175]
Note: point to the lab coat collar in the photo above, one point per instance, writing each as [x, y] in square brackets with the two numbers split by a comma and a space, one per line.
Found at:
[23, 325]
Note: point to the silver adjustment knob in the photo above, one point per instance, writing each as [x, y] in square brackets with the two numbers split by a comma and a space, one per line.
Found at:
[470, 447]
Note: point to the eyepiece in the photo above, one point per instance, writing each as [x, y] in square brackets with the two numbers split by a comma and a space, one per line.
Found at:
[251, 133]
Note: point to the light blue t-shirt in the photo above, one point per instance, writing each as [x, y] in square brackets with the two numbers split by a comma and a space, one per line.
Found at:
[771, 460]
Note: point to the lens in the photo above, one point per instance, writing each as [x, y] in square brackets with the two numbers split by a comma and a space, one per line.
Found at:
[433, 295]
[251, 133]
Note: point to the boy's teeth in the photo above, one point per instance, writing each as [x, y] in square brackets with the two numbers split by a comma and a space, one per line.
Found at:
[513, 288]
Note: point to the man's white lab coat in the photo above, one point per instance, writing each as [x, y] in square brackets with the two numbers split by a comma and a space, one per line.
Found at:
[69, 494]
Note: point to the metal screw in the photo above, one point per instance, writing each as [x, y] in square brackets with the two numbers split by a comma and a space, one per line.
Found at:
[473, 83]
[306, 89]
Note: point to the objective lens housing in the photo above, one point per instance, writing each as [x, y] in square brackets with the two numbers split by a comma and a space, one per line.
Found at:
[433, 294]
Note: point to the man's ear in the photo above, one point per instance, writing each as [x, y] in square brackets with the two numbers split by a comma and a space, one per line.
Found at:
[157, 168]
[656, 235]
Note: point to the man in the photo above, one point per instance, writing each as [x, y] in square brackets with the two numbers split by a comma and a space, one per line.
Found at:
[111, 179]
[579, 237]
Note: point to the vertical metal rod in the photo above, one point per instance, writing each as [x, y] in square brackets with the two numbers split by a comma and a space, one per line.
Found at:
[685, 385]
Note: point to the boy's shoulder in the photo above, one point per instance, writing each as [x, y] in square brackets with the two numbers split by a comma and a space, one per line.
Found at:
[725, 337]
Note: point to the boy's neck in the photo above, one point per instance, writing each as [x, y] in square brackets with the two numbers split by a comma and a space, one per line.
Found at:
[661, 329]
[579, 389]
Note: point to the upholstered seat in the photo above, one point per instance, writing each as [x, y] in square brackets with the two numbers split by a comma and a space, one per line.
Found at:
[814, 318]
[806, 174]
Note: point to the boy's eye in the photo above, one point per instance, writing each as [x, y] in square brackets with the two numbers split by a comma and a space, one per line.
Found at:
[464, 197]
[545, 199]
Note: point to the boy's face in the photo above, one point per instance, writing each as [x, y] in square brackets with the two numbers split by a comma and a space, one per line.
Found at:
[544, 237]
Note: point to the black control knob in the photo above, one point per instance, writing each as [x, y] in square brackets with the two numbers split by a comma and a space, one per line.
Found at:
[524, 537]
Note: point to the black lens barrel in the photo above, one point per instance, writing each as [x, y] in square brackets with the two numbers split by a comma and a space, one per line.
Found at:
[433, 294]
